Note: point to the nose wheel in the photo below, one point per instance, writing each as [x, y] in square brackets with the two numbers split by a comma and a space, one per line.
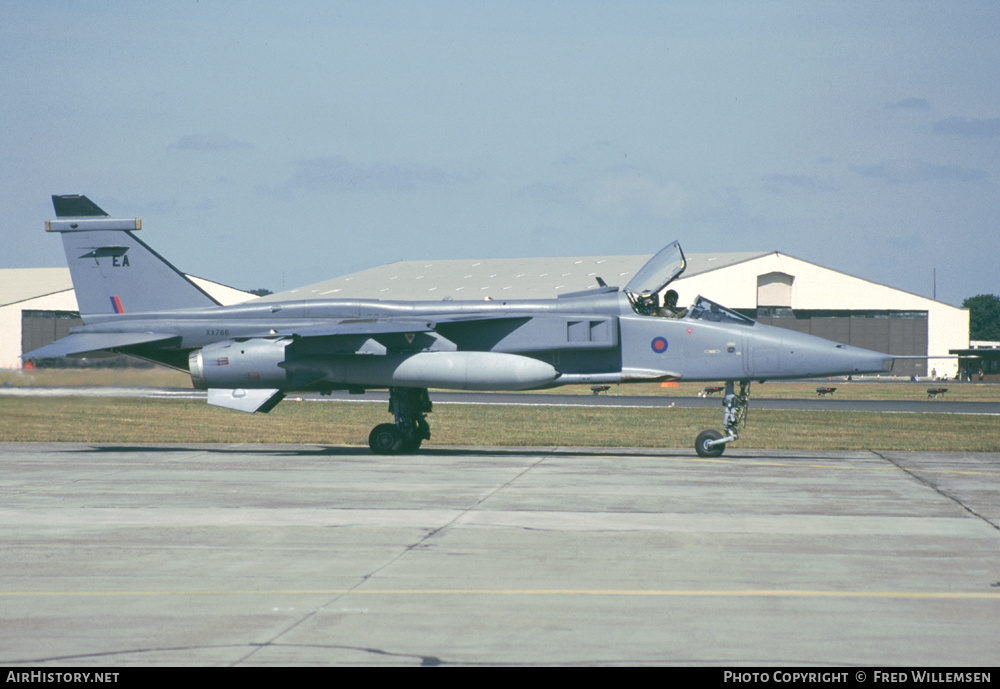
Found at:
[707, 444]
[711, 443]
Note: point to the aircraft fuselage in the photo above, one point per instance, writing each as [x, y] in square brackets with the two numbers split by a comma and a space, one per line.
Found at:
[250, 355]
[594, 338]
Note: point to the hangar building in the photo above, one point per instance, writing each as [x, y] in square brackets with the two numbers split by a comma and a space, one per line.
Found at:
[38, 305]
[771, 287]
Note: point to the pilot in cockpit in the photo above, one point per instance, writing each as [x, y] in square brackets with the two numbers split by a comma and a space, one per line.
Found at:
[670, 308]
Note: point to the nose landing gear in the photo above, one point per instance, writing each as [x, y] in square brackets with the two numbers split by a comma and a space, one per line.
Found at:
[711, 443]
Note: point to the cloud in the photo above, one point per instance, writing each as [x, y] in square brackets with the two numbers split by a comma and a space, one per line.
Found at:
[913, 171]
[336, 173]
[968, 126]
[909, 104]
[209, 142]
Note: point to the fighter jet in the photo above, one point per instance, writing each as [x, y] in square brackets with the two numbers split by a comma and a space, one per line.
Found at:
[249, 356]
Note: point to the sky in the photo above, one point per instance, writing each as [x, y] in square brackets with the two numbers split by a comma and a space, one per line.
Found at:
[275, 145]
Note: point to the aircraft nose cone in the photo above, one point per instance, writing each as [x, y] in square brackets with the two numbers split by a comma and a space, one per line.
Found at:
[778, 353]
[865, 360]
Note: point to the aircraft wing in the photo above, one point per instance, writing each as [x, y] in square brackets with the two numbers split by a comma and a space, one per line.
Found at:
[379, 335]
[360, 336]
[84, 343]
[350, 327]
[388, 326]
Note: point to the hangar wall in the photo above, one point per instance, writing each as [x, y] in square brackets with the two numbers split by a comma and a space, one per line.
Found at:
[11, 318]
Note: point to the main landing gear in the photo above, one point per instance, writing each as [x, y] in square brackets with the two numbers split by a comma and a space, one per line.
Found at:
[404, 436]
[711, 443]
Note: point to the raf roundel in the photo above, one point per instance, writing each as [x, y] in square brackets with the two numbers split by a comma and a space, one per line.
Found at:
[659, 345]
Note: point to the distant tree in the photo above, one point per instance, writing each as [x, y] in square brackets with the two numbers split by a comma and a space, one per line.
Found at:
[260, 292]
[984, 317]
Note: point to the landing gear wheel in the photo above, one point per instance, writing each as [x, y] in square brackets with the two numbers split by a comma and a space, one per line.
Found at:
[410, 446]
[385, 439]
[705, 450]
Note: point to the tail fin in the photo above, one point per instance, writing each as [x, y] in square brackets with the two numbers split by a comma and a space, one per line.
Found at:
[113, 271]
[76, 207]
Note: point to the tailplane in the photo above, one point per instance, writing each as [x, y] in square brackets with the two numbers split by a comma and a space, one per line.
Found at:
[113, 271]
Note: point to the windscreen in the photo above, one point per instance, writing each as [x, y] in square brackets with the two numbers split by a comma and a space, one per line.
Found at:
[707, 310]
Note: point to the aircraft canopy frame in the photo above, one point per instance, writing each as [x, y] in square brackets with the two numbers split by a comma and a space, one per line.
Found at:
[659, 271]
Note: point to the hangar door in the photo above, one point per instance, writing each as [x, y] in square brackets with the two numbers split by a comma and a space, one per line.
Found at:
[39, 328]
[903, 333]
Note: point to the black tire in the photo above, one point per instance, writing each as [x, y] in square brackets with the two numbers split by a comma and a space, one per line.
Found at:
[410, 446]
[385, 439]
[704, 450]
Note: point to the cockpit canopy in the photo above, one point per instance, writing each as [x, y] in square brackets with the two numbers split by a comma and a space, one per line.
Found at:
[645, 288]
[659, 271]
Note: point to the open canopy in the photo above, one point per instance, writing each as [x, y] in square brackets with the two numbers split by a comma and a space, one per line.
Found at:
[659, 271]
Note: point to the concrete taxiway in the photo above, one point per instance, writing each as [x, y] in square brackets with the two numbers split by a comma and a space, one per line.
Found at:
[292, 555]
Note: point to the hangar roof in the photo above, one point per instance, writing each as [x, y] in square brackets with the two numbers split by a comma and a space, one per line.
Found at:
[497, 278]
[21, 284]
[431, 280]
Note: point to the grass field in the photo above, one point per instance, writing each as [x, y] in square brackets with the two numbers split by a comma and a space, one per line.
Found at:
[116, 420]
[156, 376]
[866, 389]
[133, 420]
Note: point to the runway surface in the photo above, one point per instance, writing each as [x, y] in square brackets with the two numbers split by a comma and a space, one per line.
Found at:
[292, 555]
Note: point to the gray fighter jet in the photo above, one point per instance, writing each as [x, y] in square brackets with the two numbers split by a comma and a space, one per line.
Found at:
[248, 356]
